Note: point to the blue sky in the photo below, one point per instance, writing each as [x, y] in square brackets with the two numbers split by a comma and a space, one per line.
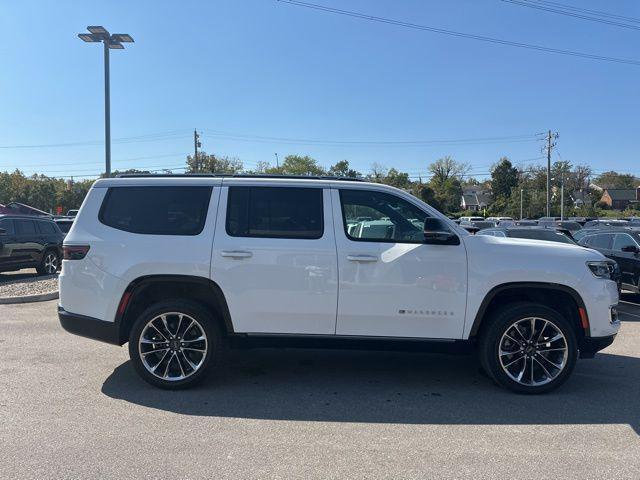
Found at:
[261, 68]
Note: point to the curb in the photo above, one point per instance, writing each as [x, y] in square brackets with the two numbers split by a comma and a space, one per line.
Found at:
[42, 297]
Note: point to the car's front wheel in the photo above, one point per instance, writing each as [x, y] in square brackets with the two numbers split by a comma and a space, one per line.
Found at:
[528, 348]
[174, 344]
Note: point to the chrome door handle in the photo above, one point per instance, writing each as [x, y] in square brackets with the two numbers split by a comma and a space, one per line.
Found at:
[362, 258]
[236, 254]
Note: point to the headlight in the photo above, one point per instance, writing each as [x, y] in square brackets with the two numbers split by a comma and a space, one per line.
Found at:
[600, 269]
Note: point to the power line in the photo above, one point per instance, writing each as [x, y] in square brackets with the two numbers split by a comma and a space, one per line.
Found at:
[99, 162]
[528, 4]
[306, 141]
[298, 141]
[598, 13]
[442, 31]
[139, 138]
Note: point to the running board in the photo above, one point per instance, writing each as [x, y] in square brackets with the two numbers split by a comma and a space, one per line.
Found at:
[349, 342]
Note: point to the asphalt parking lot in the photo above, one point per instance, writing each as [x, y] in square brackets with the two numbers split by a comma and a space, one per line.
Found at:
[74, 408]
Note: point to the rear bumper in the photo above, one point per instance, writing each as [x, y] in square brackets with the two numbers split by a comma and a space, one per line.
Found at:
[589, 346]
[89, 327]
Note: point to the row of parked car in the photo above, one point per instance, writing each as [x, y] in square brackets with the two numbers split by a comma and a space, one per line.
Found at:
[32, 239]
[617, 239]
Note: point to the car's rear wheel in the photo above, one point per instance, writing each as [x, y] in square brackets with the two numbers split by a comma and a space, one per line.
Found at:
[174, 344]
[49, 264]
[528, 348]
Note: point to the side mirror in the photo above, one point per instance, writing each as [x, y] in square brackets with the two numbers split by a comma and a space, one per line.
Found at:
[631, 249]
[437, 232]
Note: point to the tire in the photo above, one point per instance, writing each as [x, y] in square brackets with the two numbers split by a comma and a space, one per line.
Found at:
[523, 363]
[168, 354]
[49, 264]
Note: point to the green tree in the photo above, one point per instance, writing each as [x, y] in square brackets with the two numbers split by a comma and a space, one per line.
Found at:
[504, 177]
[425, 193]
[298, 165]
[210, 163]
[447, 168]
[397, 179]
[616, 180]
[343, 169]
[446, 182]
[42, 192]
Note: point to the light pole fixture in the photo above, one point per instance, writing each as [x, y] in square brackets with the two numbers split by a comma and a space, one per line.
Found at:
[110, 41]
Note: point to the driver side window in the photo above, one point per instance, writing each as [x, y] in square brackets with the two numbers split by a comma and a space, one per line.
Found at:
[372, 216]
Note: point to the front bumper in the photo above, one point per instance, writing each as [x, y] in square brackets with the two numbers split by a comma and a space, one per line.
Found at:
[89, 327]
[589, 346]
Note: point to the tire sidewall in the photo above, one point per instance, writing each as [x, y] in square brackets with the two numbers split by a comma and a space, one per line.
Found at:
[501, 321]
[195, 311]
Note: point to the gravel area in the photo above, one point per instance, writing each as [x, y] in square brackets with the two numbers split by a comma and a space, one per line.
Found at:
[29, 286]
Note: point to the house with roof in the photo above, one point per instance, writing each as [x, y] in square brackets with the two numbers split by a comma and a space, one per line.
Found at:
[620, 198]
[580, 198]
[475, 199]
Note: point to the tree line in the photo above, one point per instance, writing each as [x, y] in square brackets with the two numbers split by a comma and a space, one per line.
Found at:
[441, 186]
[445, 179]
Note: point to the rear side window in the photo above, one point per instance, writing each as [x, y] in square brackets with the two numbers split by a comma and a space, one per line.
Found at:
[7, 224]
[46, 228]
[275, 212]
[25, 227]
[622, 240]
[156, 210]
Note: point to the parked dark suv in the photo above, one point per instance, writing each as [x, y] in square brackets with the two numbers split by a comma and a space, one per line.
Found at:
[621, 245]
[27, 242]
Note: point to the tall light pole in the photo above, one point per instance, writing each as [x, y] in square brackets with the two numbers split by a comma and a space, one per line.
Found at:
[277, 160]
[562, 196]
[115, 41]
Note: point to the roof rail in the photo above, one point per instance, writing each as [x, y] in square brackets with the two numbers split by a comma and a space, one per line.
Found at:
[236, 175]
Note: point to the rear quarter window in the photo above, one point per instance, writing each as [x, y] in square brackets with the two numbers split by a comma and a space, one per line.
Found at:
[47, 228]
[171, 210]
[25, 227]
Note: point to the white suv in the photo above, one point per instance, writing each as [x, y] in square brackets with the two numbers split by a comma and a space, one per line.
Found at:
[181, 266]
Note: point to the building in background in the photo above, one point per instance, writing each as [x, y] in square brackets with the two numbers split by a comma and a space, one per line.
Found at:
[620, 198]
[580, 198]
[475, 198]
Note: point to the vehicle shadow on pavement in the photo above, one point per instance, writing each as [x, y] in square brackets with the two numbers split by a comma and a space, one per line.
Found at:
[389, 387]
[21, 275]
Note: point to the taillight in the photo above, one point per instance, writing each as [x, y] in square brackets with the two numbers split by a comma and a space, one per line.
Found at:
[74, 252]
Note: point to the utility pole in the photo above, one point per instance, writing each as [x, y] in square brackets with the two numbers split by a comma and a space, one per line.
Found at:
[277, 161]
[521, 191]
[550, 145]
[196, 144]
